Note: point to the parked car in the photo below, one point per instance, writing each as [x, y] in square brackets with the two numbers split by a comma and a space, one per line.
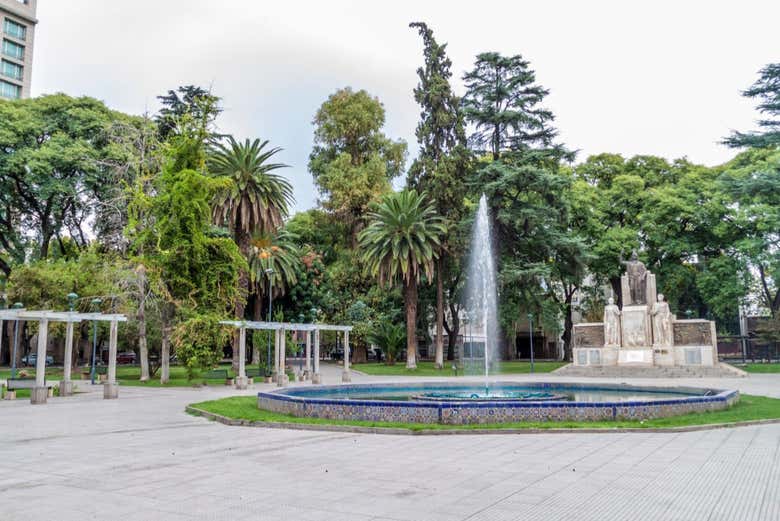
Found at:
[126, 357]
[32, 358]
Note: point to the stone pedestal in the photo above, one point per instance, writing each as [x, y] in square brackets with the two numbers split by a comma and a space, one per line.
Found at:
[636, 328]
[346, 376]
[39, 395]
[663, 356]
[66, 388]
[268, 379]
[306, 374]
[110, 391]
[316, 378]
[282, 380]
[241, 382]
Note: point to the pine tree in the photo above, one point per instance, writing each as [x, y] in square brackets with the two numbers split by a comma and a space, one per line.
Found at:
[767, 90]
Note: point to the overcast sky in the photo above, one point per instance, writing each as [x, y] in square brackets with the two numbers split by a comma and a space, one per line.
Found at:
[661, 77]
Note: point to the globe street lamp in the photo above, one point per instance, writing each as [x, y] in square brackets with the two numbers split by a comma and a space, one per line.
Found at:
[72, 297]
[95, 303]
[269, 273]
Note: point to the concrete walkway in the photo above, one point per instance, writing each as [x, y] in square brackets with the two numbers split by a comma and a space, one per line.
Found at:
[142, 458]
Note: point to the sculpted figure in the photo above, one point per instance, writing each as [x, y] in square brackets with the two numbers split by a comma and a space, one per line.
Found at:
[662, 323]
[637, 277]
[611, 323]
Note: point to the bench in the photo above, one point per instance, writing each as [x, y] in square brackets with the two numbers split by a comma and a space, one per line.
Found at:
[218, 374]
[12, 384]
[254, 372]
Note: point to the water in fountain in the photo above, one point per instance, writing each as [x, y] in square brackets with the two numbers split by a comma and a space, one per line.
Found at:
[481, 299]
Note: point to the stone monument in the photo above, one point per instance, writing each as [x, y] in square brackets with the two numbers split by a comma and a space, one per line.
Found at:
[644, 332]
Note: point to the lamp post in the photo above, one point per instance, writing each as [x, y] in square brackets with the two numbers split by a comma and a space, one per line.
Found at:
[17, 305]
[688, 314]
[96, 302]
[531, 337]
[269, 273]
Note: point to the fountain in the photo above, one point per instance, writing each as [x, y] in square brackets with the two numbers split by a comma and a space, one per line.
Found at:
[459, 402]
[481, 300]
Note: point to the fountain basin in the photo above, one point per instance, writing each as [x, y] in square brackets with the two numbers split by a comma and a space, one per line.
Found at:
[403, 402]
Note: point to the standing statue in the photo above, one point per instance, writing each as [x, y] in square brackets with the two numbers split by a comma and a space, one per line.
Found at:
[611, 324]
[662, 323]
[637, 277]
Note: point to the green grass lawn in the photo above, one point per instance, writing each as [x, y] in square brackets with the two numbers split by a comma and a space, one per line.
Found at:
[760, 368]
[127, 375]
[748, 408]
[427, 369]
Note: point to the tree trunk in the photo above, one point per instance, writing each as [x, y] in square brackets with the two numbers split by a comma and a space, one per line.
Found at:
[453, 333]
[242, 240]
[410, 302]
[165, 348]
[143, 350]
[568, 325]
[439, 316]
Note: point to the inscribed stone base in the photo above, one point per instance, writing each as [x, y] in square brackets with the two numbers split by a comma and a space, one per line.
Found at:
[316, 378]
[346, 376]
[635, 357]
[242, 382]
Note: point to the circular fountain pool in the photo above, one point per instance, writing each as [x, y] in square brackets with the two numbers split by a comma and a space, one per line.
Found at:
[503, 402]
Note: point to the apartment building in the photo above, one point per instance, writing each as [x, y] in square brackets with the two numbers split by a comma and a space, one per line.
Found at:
[17, 30]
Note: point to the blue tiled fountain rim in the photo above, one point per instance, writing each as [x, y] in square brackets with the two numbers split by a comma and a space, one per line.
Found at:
[302, 395]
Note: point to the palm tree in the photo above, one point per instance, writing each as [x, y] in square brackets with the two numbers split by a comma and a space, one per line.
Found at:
[252, 199]
[279, 253]
[402, 242]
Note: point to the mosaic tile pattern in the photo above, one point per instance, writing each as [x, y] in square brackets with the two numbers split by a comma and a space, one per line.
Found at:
[303, 402]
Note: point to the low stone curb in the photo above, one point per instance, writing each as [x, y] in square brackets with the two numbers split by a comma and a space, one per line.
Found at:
[435, 432]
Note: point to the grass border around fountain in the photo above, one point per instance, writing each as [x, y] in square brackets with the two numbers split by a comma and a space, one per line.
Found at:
[243, 411]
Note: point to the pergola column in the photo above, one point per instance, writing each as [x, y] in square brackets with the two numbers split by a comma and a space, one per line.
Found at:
[241, 380]
[276, 356]
[283, 379]
[66, 385]
[307, 366]
[110, 387]
[346, 376]
[316, 378]
[39, 393]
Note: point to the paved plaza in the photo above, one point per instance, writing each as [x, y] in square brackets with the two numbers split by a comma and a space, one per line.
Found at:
[142, 458]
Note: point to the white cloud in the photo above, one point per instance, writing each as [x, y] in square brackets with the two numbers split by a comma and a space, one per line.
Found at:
[659, 78]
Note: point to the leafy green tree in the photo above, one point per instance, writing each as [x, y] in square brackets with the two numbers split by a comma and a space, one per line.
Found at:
[187, 101]
[51, 149]
[353, 161]
[402, 242]
[440, 168]
[250, 200]
[195, 340]
[767, 90]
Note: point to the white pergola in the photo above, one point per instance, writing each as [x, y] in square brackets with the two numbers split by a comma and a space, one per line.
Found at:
[279, 329]
[39, 393]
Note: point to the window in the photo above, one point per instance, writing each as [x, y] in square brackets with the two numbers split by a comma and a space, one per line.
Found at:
[9, 90]
[14, 50]
[14, 29]
[11, 70]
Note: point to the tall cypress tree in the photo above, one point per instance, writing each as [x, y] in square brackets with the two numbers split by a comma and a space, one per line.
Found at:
[440, 166]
